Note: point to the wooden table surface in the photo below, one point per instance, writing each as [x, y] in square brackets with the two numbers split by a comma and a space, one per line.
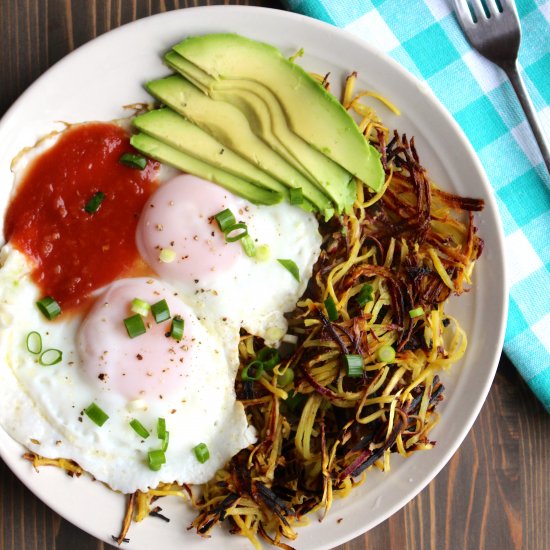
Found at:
[493, 494]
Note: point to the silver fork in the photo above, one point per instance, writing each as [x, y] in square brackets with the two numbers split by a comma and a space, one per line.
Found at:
[496, 35]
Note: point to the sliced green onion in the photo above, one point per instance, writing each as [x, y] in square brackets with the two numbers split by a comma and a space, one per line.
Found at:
[385, 354]
[263, 253]
[140, 307]
[139, 428]
[236, 232]
[225, 219]
[161, 428]
[296, 195]
[96, 414]
[167, 255]
[201, 452]
[94, 203]
[291, 339]
[292, 267]
[354, 365]
[257, 368]
[160, 311]
[364, 295]
[330, 306]
[176, 330]
[50, 357]
[34, 342]
[416, 312]
[135, 326]
[155, 459]
[294, 401]
[133, 161]
[248, 246]
[269, 357]
[165, 441]
[48, 307]
[286, 378]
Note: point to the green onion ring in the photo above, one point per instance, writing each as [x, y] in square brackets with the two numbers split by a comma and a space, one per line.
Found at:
[50, 357]
[258, 365]
[34, 342]
[235, 227]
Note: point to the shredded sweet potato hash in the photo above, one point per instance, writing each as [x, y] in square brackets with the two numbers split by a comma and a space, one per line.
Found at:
[378, 293]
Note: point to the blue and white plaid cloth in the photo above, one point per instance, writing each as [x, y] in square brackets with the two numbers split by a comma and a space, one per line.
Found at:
[424, 37]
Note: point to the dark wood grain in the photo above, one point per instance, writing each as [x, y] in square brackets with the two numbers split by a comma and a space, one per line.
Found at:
[494, 493]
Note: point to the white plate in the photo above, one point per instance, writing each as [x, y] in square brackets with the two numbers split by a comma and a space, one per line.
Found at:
[94, 82]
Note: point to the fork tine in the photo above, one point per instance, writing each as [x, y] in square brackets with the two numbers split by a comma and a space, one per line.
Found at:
[463, 13]
[509, 5]
[478, 9]
[494, 10]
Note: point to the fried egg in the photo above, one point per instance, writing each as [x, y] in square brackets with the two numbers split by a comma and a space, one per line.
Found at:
[224, 285]
[211, 284]
[188, 383]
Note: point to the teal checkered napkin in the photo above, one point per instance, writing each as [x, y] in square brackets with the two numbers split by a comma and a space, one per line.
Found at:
[424, 37]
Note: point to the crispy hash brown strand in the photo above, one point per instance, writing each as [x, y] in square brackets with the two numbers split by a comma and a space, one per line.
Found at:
[377, 292]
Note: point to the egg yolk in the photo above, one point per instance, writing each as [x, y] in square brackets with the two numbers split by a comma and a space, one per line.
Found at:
[178, 236]
[148, 366]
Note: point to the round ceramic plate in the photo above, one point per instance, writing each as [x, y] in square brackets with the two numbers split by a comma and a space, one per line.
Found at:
[97, 80]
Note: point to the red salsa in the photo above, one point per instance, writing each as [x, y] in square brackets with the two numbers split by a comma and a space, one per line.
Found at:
[76, 251]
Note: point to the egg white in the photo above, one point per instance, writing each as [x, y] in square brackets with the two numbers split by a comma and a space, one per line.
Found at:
[42, 407]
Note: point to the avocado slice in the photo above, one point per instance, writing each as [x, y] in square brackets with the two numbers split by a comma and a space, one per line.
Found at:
[268, 120]
[230, 127]
[158, 150]
[312, 112]
[177, 132]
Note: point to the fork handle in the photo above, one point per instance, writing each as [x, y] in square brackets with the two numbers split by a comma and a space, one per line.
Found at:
[527, 105]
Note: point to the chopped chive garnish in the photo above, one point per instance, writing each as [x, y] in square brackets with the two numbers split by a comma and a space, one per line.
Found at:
[225, 219]
[167, 255]
[140, 307]
[50, 357]
[133, 161]
[294, 401]
[385, 354]
[286, 378]
[165, 441]
[139, 428]
[135, 325]
[296, 196]
[364, 295]
[155, 459]
[34, 342]
[253, 371]
[160, 311]
[161, 428]
[176, 330]
[96, 414]
[248, 246]
[48, 307]
[94, 203]
[330, 306]
[416, 312]
[263, 253]
[269, 357]
[236, 232]
[291, 267]
[354, 365]
[202, 453]
[291, 339]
